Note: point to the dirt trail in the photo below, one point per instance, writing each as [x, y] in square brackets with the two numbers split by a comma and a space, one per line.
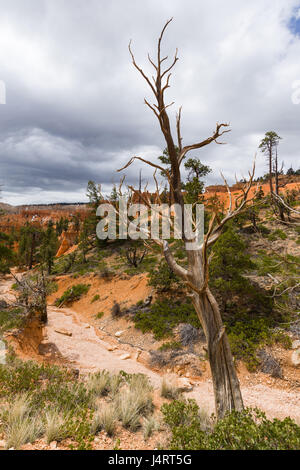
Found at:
[84, 349]
[87, 350]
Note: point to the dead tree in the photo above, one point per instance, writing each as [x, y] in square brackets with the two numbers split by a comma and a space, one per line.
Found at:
[135, 256]
[226, 385]
[32, 296]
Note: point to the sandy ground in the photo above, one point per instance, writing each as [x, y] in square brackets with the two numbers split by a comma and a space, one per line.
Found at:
[69, 337]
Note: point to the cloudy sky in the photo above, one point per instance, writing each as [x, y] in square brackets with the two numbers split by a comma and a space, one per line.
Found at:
[74, 104]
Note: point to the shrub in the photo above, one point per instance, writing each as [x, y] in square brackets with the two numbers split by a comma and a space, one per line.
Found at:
[171, 345]
[164, 315]
[158, 359]
[278, 233]
[72, 294]
[116, 310]
[163, 278]
[11, 318]
[246, 430]
[95, 298]
[247, 335]
[188, 334]
[269, 365]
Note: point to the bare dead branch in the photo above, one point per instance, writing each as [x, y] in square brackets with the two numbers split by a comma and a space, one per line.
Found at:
[218, 133]
[178, 127]
[176, 268]
[276, 196]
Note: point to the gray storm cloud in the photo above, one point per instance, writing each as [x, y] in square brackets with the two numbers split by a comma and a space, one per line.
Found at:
[75, 107]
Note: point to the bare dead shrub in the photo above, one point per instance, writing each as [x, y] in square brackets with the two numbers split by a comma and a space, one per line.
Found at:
[188, 334]
[269, 365]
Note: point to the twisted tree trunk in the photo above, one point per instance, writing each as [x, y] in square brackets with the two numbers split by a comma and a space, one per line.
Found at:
[225, 381]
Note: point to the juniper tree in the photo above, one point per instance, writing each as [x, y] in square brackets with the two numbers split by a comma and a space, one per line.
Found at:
[196, 275]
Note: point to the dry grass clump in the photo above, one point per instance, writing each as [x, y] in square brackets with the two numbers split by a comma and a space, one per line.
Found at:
[105, 419]
[150, 425]
[169, 391]
[54, 426]
[115, 384]
[21, 424]
[134, 401]
[99, 383]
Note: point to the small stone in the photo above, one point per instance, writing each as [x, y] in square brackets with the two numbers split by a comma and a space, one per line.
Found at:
[184, 384]
[119, 333]
[125, 356]
[63, 332]
[11, 448]
[53, 445]
[112, 348]
[2, 443]
[296, 344]
[295, 358]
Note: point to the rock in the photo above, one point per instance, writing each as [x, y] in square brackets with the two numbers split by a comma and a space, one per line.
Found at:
[11, 448]
[3, 357]
[296, 344]
[53, 445]
[112, 348]
[119, 333]
[184, 385]
[125, 356]
[63, 332]
[295, 358]
[148, 301]
[2, 443]
[3, 305]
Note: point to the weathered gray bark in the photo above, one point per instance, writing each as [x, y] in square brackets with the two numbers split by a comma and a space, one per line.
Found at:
[225, 381]
[226, 384]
